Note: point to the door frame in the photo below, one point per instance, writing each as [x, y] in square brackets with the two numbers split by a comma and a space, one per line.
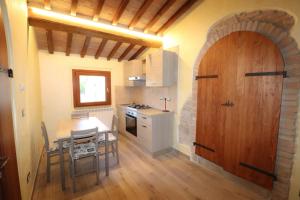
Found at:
[10, 59]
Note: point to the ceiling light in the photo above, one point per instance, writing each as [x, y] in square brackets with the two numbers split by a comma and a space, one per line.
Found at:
[51, 15]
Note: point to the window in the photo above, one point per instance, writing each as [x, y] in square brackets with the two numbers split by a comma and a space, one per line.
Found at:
[91, 88]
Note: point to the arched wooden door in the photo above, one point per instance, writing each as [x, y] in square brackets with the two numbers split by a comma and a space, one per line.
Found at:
[239, 97]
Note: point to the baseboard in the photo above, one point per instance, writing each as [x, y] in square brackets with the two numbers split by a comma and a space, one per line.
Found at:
[185, 149]
[36, 174]
[163, 151]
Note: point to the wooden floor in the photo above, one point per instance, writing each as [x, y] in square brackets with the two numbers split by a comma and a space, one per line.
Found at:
[140, 176]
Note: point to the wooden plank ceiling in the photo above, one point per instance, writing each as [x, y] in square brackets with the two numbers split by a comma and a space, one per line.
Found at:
[150, 16]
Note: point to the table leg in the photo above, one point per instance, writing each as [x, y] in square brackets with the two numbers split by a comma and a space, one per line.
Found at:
[106, 155]
[62, 166]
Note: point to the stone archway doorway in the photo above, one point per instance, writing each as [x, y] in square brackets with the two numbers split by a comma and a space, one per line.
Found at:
[275, 25]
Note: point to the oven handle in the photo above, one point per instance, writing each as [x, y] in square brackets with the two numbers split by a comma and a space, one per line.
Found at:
[129, 116]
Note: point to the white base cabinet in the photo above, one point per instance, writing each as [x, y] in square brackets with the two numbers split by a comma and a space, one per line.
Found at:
[154, 132]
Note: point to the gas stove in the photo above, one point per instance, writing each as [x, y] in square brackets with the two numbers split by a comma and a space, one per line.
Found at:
[131, 117]
[138, 106]
[132, 109]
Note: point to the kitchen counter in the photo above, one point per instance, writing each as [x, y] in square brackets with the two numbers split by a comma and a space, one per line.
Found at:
[149, 112]
[152, 111]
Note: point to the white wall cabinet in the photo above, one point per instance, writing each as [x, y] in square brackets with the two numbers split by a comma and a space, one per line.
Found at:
[161, 69]
[133, 68]
[155, 132]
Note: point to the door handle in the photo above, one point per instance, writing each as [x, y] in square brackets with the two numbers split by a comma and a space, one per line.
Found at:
[3, 162]
[225, 104]
[228, 104]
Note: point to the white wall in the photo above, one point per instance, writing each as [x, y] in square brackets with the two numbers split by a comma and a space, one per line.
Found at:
[33, 109]
[57, 88]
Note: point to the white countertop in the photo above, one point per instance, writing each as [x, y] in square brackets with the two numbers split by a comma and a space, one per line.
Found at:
[152, 111]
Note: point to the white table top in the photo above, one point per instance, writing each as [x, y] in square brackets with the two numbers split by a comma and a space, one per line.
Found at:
[66, 126]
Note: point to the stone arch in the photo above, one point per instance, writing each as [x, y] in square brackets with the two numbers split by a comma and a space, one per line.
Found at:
[275, 25]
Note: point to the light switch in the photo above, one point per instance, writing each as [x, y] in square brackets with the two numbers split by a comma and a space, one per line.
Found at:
[21, 87]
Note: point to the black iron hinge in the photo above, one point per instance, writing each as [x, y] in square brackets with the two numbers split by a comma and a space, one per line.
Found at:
[259, 170]
[207, 76]
[280, 73]
[203, 146]
[9, 72]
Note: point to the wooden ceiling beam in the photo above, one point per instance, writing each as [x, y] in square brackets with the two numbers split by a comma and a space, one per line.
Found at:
[114, 50]
[137, 53]
[47, 4]
[120, 11]
[73, 27]
[100, 48]
[50, 41]
[187, 5]
[159, 13]
[74, 7]
[85, 46]
[140, 13]
[69, 44]
[127, 50]
[98, 10]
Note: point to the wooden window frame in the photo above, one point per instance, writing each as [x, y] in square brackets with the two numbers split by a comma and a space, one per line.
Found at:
[76, 88]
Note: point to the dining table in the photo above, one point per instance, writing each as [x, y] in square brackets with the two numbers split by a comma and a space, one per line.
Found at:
[63, 134]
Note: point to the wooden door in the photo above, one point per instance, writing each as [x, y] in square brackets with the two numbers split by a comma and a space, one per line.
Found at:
[261, 101]
[10, 181]
[231, 81]
[218, 123]
[240, 130]
[208, 137]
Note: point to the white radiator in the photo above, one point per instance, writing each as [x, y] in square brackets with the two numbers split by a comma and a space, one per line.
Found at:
[105, 115]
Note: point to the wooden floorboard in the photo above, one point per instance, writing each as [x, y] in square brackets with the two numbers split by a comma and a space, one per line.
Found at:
[140, 176]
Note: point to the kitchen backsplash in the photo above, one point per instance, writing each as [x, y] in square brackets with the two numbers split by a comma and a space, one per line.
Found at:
[148, 95]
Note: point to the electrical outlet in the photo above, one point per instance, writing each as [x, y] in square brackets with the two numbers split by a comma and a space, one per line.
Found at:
[28, 177]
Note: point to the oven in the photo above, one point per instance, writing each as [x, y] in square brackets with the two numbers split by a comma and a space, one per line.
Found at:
[131, 125]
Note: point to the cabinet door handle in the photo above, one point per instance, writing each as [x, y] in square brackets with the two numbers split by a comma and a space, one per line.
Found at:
[144, 117]
[144, 126]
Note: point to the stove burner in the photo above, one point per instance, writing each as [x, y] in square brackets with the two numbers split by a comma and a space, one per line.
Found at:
[139, 106]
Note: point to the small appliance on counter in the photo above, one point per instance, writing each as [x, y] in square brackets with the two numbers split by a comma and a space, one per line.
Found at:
[165, 100]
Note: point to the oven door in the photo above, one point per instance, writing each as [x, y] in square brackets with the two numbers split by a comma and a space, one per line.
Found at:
[131, 126]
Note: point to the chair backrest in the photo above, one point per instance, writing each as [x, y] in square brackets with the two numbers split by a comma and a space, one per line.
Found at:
[84, 136]
[80, 115]
[115, 126]
[45, 135]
